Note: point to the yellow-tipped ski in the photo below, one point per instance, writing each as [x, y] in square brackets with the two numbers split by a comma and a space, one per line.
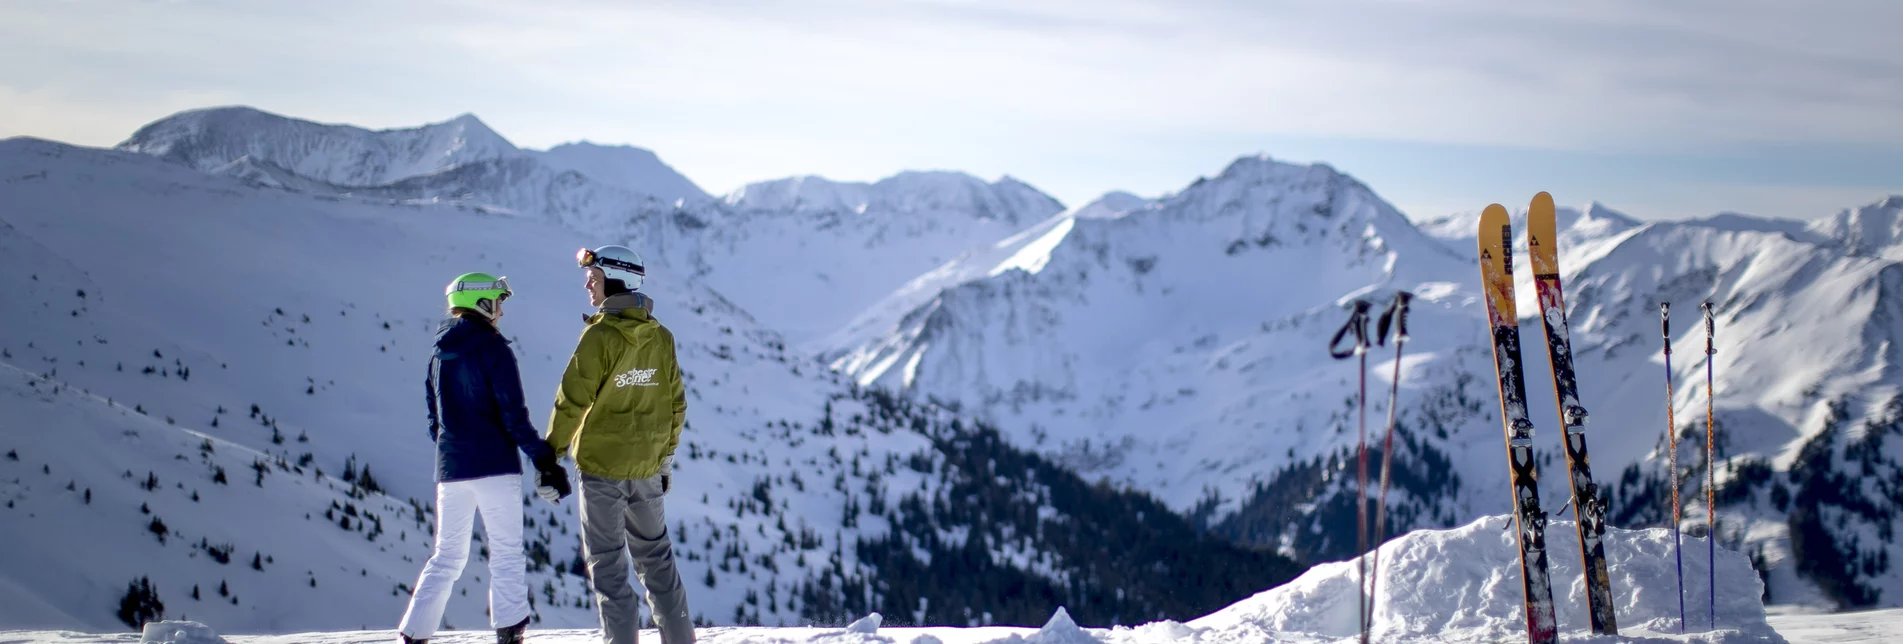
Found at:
[1542, 242]
[1503, 325]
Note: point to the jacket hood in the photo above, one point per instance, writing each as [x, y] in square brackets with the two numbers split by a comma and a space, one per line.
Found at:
[625, 312]
[459, 335]
[626, 301]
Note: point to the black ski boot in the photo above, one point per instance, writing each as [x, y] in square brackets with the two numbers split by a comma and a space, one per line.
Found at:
[512, 634]
[411, 640]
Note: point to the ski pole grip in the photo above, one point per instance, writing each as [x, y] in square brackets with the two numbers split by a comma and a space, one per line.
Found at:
[1665, 324]
[1710, 328]
[1397, 315]
[1357, 324]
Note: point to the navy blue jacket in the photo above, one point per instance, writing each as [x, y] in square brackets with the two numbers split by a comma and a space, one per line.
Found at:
[476, 413]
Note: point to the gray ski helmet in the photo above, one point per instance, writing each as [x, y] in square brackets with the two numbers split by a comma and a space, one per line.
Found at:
[616, 263]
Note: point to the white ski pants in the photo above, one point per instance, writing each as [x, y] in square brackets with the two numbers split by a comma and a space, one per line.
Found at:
[499, 499]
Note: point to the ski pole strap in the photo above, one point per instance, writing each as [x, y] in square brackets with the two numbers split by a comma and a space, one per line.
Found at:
[1665, 324]
[1397, 315]
[1710, 328]
[1358, 325]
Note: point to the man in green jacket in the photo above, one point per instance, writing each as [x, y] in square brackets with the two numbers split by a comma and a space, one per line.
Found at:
[619, 413]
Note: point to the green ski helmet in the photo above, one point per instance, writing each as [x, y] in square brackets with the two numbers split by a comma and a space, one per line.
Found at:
[480, 292]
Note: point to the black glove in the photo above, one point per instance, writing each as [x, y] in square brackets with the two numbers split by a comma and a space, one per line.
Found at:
[551, 481]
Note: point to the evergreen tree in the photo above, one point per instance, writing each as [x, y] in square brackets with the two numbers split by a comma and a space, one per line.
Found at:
[140, 604]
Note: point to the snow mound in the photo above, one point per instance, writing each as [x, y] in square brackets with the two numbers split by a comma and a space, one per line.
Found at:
[868, 624]
[1463, 585]
[1061, 629]
[179, 633]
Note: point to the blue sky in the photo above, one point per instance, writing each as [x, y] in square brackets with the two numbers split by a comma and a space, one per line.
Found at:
[1663, 110]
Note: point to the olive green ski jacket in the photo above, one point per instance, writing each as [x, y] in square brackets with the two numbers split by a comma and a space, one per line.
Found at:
[621, 405]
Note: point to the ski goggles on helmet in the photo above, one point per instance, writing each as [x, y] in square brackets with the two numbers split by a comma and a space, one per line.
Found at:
[587, 258]
[500, 284]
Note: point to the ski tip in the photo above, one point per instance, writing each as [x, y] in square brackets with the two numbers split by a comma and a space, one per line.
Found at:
[1494, 218]
[1496, 229]
[1543, 200]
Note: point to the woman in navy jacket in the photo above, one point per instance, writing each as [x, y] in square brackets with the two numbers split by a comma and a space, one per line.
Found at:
[478, 421]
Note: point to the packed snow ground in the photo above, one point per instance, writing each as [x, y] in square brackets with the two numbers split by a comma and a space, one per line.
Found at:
[1455, 585]
[1869, 627]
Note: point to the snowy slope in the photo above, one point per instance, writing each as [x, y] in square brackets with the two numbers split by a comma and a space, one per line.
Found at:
[1435, 586]
[319, 309]
[77, 493]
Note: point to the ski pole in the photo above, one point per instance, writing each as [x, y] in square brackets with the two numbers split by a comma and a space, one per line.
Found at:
[1671, 434]
[1711, 476]
[1358, 325]
[1397, 316]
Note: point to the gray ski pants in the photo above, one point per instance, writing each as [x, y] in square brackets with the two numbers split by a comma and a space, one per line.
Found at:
[619, 517]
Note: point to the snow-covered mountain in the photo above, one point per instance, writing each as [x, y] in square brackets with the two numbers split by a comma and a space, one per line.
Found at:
[629, 167]
[806, 254]
[340, 155]
[1112, 204]
[1172, 348]
[460, 159]
[155, 303]
[1873, 230]
[795, 252]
